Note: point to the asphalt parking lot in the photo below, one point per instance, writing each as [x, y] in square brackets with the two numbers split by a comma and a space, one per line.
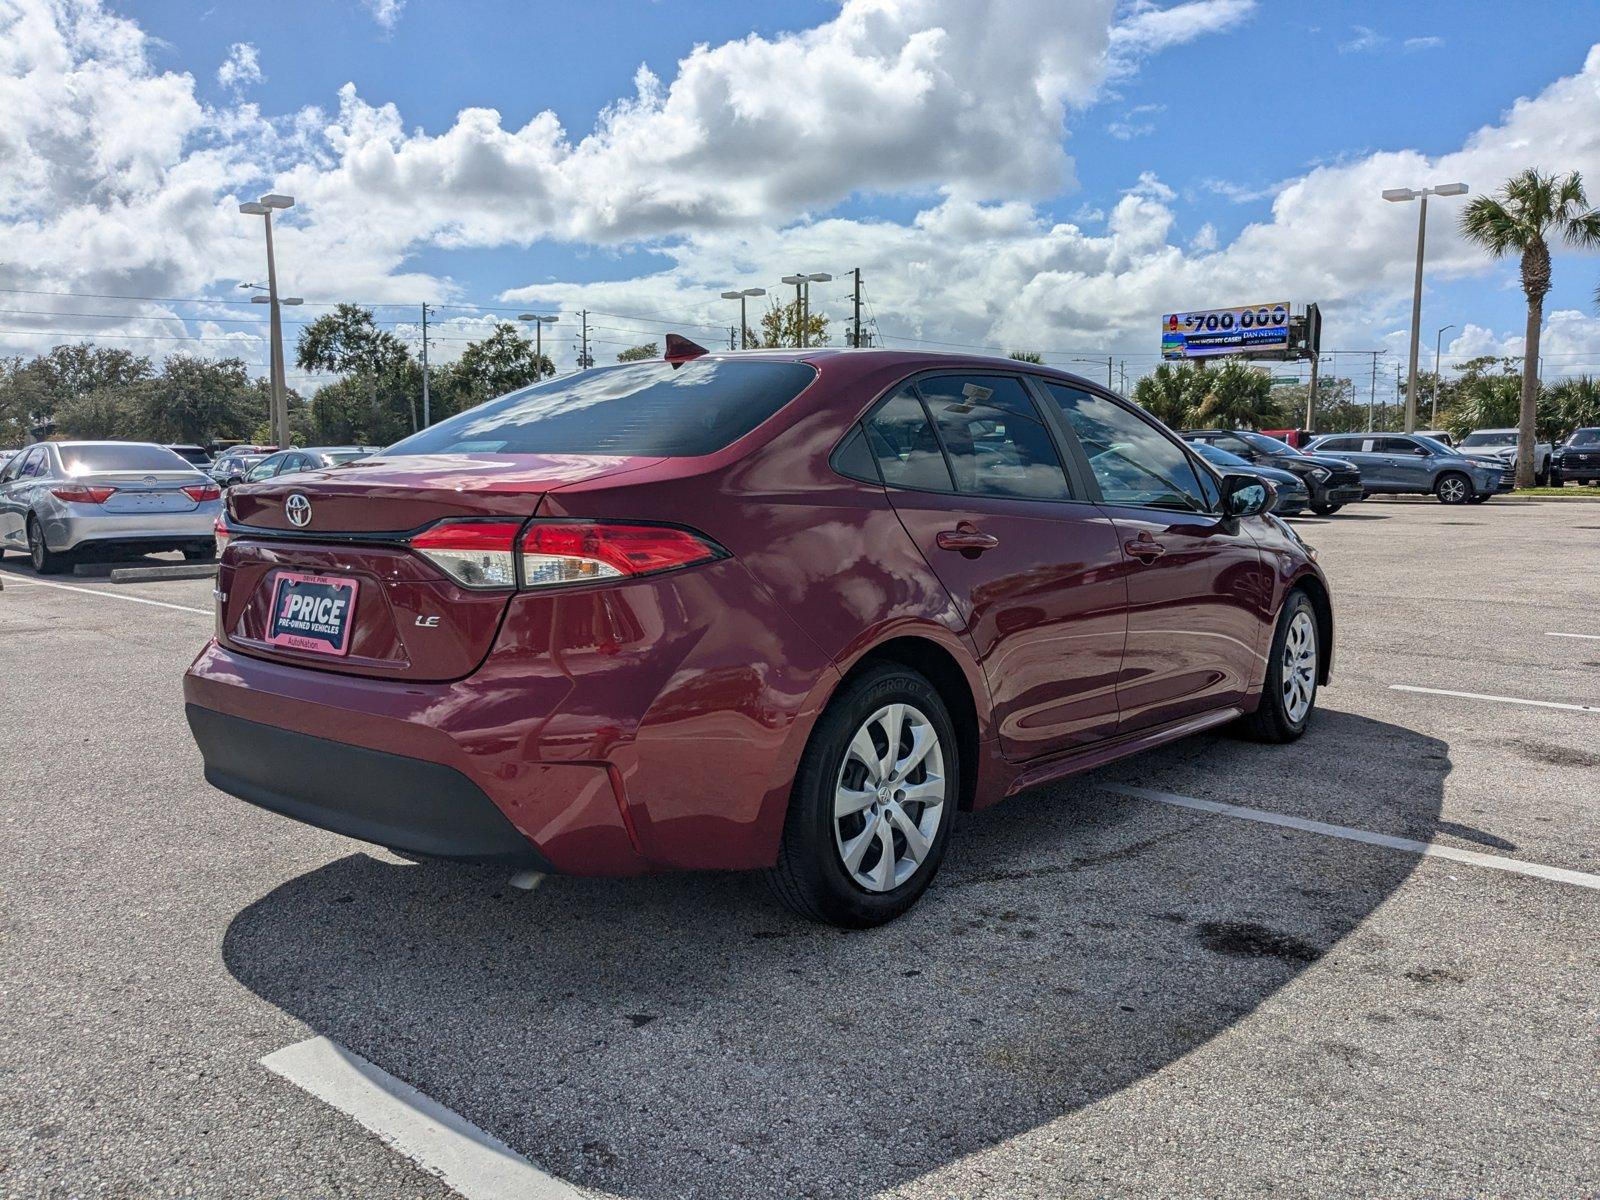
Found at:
[1104, 993]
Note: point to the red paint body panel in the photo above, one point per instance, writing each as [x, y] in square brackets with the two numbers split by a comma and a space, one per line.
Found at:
[657, 722]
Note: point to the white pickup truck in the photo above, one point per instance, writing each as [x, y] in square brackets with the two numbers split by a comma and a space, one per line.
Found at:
[1501, 445]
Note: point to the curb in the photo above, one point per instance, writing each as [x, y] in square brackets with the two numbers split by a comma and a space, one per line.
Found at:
[137, 574]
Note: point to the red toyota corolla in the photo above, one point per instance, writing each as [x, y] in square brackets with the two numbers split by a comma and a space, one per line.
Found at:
[772, 610]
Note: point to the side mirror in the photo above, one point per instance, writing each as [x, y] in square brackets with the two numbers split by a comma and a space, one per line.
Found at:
[1247, 495]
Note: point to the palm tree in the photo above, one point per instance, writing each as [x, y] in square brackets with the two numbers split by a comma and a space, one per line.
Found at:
[1171, 393]
[1235, 397]
[1529, 210]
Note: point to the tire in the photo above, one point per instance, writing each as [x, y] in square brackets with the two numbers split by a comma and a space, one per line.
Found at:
[1480, 498]
[1325, 510]
[200, 553]
[45, 560]
[1280, 717]
[1453, 488]
[814, 874]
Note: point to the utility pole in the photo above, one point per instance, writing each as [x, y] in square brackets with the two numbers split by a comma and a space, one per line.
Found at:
[583, 354]
[732, 338]
[1372, 394]
[427, 412]
[855, 336]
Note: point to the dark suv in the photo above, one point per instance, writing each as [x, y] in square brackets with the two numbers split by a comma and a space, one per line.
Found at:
[1332, 482]
[1578, 458]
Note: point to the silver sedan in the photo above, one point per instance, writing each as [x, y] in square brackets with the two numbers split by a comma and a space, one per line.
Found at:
[60, 500]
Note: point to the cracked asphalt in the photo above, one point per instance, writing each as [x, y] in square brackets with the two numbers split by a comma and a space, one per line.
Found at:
[1100, 996]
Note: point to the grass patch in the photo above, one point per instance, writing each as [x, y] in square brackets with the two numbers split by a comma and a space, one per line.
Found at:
[1589, 492]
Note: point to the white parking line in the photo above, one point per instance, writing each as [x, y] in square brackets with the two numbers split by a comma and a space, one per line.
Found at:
[67, 587]
[1406, 687]
[1587, 637]
[443, 1143]
[1494, 862]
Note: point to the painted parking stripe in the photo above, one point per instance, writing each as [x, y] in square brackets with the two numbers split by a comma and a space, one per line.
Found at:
[1406, 687]
[67, 587]
[478, 1166]
[1494, 862]
[1587, 637]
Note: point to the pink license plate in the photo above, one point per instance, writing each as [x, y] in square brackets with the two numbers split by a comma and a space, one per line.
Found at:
[312, 612]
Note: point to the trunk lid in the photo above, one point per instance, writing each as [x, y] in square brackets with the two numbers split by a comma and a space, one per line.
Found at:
[144, 491]
[410, 620]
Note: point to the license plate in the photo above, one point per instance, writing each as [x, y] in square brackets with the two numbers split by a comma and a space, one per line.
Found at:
[312, 612]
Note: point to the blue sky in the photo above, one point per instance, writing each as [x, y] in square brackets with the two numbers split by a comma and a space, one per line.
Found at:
[1218, 119]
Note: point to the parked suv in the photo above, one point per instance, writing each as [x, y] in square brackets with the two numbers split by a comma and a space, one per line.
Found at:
[1500, 446]
[1332, 482]
[784, 610]
[1578, 459]
[1407, 463]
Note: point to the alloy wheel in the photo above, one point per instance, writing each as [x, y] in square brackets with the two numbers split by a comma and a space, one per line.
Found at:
[1452, 490]
[1299, 673]
[889, 797]
[36, 545]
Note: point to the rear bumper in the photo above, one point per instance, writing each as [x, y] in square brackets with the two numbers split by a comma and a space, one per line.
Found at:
[67, 532]
[403, 803]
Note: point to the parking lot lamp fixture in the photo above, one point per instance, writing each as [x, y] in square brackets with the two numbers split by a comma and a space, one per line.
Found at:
[740, 296]
[802, 300]
[1402, 195]
[540, 320]
[280, 402]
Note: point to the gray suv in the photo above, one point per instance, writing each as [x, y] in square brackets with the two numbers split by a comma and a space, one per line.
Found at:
[1408, 463]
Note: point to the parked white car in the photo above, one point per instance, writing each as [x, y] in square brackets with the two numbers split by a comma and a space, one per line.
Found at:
[1501, 444]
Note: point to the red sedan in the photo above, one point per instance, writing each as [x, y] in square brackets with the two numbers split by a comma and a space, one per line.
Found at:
[771, 610]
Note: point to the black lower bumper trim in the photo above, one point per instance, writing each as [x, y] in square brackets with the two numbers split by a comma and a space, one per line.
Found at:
[406, 804]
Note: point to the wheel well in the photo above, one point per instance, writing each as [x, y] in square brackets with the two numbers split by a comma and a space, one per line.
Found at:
[1322, 605]
[939, 667]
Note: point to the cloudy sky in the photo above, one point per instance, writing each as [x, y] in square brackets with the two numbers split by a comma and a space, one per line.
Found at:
[1042, 174]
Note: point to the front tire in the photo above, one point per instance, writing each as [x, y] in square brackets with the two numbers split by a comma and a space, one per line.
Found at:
[1293, 673]
[1453, 488]
[1325, 510]
[873, 802]
[45, 560]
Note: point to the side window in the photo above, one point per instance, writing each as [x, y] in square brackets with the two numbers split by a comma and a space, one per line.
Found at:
[1336, 445]
[32, 464]
[997, 442]
[1233, 445]
[14, 467]
[1398, 445]
[854, 459]
[265, 469]
[1134, 462]
[903, 443]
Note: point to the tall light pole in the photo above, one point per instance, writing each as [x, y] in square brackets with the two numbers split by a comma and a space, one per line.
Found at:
[280, 401]
[802, 300]
[540, 320]
[1399, 195]
[744, 328]
[1438, 343]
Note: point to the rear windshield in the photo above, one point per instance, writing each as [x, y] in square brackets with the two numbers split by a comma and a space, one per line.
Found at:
[119, 456]
[649, 409]
[336, 458]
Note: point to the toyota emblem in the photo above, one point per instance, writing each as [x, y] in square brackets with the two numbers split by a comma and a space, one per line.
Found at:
[298, 509]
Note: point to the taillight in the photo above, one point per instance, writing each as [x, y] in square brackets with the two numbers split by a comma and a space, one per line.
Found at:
[483, 554]
[559, 552]
[82, 493]
[220, 532]
[476, 554]
[201, 492]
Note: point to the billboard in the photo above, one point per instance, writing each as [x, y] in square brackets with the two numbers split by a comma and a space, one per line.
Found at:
[1251, 329]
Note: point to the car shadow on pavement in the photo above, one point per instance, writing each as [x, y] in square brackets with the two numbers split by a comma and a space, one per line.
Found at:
[680, 1036]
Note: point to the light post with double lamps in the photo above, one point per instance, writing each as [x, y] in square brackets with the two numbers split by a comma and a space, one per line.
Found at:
[540, 320]
[744, 328]
[802, 300]
[1438, 343]
[1400, 195]
[280, 401]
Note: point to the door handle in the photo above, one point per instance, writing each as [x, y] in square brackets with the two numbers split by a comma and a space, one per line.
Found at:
[1145, 548]
[966, 538]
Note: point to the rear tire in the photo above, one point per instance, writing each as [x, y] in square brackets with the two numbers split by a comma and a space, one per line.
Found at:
[868, 823]
[1294, 672]
[45, 560]
[1453, 488]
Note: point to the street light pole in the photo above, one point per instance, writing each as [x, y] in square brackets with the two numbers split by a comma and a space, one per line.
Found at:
[1400, 195]
[1438, 343]
[280, 401]
[802, 300]
[744, 326]
[540, 320]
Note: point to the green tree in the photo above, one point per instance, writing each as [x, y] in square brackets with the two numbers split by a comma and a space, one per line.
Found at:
[22, 396]
[104, 413]
[780, 326]
[198, 400]
[378, 400]
[1027, 356]
[1236, 397]
[1171, 393]
[500, 363]
[1576, 402]
[640, 353]
[1530, 209]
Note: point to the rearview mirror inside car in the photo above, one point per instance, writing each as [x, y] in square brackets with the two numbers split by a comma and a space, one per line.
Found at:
[1247, 495]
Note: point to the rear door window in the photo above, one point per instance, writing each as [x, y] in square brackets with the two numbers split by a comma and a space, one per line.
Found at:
[902, 440]
[994, 437]
[652, 409]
